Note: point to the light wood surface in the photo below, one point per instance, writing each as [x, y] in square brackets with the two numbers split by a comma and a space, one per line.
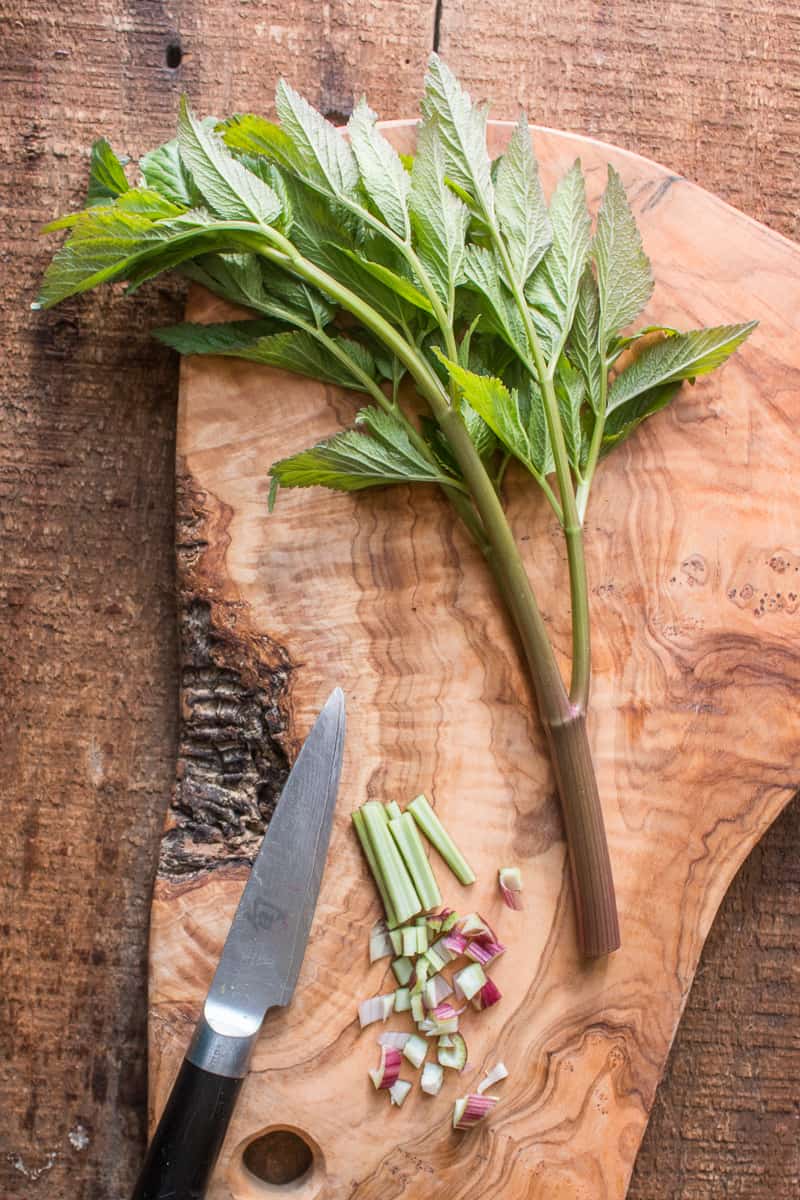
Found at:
[695, 579]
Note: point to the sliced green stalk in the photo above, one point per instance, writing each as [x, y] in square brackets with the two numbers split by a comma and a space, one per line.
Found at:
[410, 942]
[396, 938]
[393, 871]
[417, 1008]
[415, 1050]
[402, 999]
[438, 836]
[409, 843]
[403, 970]
[372, 863]
[392, 810]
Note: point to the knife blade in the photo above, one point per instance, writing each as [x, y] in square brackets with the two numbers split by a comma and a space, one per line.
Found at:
[257, 970]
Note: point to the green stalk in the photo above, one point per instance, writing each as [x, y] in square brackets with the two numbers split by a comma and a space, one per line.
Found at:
[597, 918]
[582, 496]
[409, 843]
[396, 878]
[372, 862]
[438, 836]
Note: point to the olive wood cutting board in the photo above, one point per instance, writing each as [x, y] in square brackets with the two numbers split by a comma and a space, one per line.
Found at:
[693, 545]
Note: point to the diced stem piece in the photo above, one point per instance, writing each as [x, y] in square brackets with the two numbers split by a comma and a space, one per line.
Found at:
[438, 836]
[403, 970]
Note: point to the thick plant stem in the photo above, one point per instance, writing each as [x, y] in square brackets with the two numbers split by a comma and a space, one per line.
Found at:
[572, 761]
[593, 882]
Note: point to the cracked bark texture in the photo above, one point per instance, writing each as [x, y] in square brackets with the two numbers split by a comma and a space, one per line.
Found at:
[90, 726]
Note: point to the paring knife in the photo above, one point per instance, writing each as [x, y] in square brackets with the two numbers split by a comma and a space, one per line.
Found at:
[257, 971]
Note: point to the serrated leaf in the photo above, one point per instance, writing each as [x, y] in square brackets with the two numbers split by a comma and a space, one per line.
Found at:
[621, 423]
[530, 402]
[324, 154]
[225, 338]
[118, 242]
[107, 178]
[228, 188]
[383, 175]
[520, 204]
[251, 134]
[462, 128]
[482, 274]
[570, 393]
[624, 278]
[618, 344]
[683, 356]
[353, 460]
[438, 217]
[553, 288]
[164, 171]
[398, 284]
[295, 350]
[584, 339]
[498, 407]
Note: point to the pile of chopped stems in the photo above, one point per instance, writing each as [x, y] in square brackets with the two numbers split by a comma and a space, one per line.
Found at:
[422, 943]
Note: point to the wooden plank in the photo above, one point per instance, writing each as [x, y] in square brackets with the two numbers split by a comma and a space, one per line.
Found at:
[86, 387]
[710, 90]
[88, 631]
[695, 600]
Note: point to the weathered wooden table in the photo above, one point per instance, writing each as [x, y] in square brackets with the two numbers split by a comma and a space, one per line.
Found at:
[87, 453]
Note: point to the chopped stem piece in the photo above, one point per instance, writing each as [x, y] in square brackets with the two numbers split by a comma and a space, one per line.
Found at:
[432, 1078]
[377, 1008]
[402, 999]
[415, 1050]
[399, 1091]
[510, 881]
[438, 836]
[392, 810]
[403, 970]
[455, 1055]
[469, 980]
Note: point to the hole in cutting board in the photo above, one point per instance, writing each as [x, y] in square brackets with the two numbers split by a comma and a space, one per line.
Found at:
[278, 1157]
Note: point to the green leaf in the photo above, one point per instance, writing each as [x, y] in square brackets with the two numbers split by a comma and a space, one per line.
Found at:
[683, 356]
[462, 128]
[390, 279]
[553, 289]
[247, 280]
[319, 146]
[531, 405]
[116, 241]
[621, 423]
[353, 460]
[163, 170]
[498, 407]
[570, 393]
[624, 279]
[106, 175]
[229, 189]
[482, 274]
[383, 175]
[295, 351]
[520, 205]
[584, 339]
[618, 344]
[255, 135]
[225, 338]
[438, 217]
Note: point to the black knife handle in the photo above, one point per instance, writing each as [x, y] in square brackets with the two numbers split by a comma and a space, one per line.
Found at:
[189, 1136]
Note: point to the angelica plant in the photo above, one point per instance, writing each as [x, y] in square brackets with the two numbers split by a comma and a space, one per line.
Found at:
[446, 272]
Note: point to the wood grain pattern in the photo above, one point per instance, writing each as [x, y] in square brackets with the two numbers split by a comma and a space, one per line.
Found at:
[86, 455]
[694, 572]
